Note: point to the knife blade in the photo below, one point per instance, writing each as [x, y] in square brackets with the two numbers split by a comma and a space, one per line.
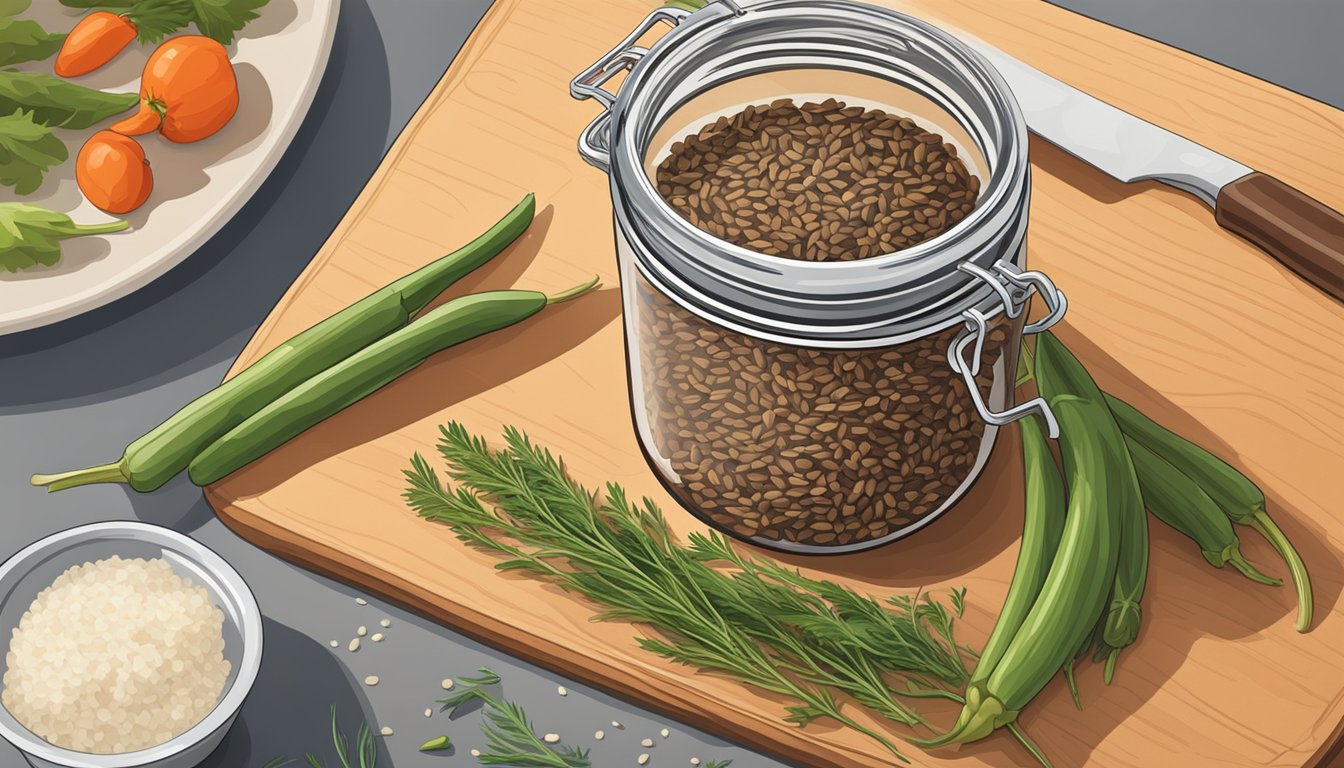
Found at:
[1301, 232]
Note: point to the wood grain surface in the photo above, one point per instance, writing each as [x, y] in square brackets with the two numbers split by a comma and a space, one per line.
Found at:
[1193, 325]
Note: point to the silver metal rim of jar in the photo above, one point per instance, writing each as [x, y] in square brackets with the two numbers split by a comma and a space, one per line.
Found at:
[915, 291]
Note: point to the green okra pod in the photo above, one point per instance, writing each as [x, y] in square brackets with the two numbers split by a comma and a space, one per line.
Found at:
[1042, 525]
[1101, 491]
[1178, 501]
[1240, 499]
[166, 450]
[366, 371]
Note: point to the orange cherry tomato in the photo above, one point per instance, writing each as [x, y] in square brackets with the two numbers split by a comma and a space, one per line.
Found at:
[94, 41]
[113, 173]
[188, 91]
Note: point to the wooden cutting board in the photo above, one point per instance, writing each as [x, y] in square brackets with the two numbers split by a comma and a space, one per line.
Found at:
[1192, 325]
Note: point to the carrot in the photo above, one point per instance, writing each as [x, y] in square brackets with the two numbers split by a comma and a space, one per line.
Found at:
[113, 173]
[94, 41]
[188, 91]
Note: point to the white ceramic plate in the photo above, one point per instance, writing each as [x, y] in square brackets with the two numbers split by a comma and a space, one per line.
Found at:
[279, 59]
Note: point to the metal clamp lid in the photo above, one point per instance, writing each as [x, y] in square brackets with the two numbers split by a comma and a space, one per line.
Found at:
[595, 140]
[1015, 288]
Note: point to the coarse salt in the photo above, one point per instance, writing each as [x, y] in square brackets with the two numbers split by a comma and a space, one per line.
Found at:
[116, 656]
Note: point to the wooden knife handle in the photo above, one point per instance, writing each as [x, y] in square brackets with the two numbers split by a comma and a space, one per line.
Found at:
[1300, 231]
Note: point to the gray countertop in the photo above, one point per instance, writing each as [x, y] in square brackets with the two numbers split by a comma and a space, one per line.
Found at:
[73, 394]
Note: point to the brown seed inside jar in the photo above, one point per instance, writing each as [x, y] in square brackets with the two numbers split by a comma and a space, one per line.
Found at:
[778, 442]
[820, 182]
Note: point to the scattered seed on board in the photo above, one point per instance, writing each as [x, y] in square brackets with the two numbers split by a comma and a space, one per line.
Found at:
[386, 731]
[617, 724]
[664, 733]
[695, 761]
[447, 684]
[362, 631]
[475, 753]
[599, 735]
[335, 644]
[354, 645]
[646, 743]
[361, 601]
[371, 680]
[377, 637]
[551, 738]
[643, 759]
[385, 623]
[429, 712]
[561, 690]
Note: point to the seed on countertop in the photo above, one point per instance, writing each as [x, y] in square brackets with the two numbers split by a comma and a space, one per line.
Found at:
[561, 690]
[354, 645]
[361, 601]
[664, 733]
[334, 644]
[447, 684]
[429, 711]
[551, 738]
[646, 743]
[600, 735]
[643, 759]
[385, 623]
[695, 761]
[386, 731]
[371, 680]
[475, 753]
[377, 637]
[616, 724]
[362, 631]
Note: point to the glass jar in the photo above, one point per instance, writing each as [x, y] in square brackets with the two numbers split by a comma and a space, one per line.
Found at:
[816, 406]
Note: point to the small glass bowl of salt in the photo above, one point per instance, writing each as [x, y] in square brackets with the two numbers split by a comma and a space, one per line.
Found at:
[159, 635]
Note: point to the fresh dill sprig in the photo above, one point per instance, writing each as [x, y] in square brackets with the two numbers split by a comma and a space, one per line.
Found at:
[366, 749]
[760, 623]
[510, 739]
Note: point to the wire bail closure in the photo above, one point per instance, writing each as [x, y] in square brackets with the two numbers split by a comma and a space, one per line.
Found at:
[595, 140]
[1015, 288]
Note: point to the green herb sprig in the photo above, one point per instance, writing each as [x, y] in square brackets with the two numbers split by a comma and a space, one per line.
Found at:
[510, 739]
[56, 103]
[218, 19]
[759, 623]
[27, 151]
[25, 40]
[31, 235]
[366, 749]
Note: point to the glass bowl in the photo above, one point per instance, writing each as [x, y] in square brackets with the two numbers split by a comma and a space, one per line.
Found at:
[34, 568]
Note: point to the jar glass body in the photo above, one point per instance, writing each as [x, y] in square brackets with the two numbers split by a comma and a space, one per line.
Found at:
[800, 448]
[813, 406]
